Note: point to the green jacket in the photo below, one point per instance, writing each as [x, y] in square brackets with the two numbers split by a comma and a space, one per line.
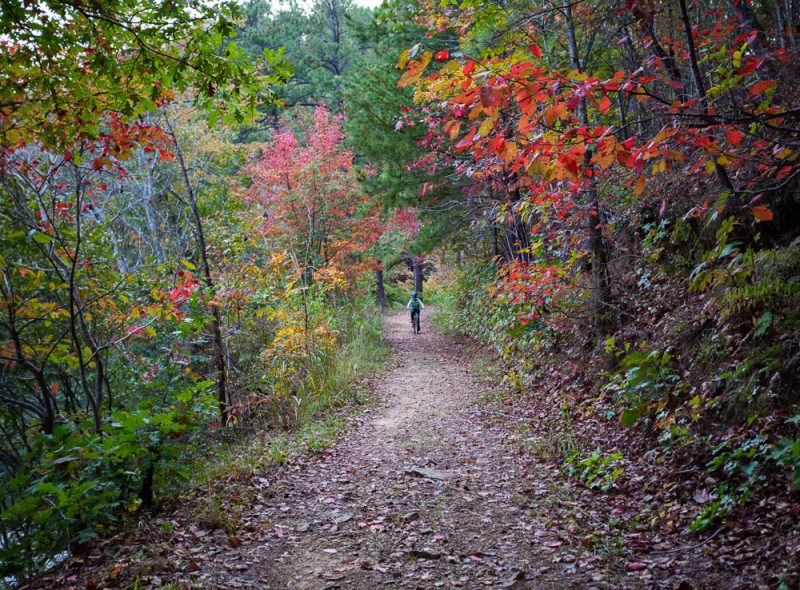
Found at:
[415, 304]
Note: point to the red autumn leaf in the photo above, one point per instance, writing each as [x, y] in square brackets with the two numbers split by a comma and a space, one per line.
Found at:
[465, 141]
[535, 50]
[469, 67]
[625, 158]
[604, 105]
[442, 55]
[762, 86]
[571, 165]
[752, 64]
[763, 213]
[489, 98]
[734, 136]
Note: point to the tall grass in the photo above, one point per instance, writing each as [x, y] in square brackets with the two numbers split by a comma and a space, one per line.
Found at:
[331, 381]
[330, 389]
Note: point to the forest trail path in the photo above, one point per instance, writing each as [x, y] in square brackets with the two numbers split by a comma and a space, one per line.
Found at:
[424, 494]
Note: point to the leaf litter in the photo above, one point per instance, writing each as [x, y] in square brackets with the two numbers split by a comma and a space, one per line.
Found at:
[419, 494]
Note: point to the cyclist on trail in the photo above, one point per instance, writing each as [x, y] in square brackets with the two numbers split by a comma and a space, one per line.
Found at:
[415, 305]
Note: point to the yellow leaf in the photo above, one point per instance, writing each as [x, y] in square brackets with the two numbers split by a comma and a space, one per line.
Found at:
[485, 128]
[451, 67]
[403, 60]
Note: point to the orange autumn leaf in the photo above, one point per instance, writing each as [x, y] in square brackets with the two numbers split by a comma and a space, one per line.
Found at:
[639, 188]
[762, 213]
[415, 70]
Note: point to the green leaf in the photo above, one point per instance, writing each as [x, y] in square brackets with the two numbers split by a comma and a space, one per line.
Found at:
[764, 322]
[629, 417]
[40, 237]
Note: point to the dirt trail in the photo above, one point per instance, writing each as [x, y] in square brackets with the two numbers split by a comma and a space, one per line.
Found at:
[425, 494]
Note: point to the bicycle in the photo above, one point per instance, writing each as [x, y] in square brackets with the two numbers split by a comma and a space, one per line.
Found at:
[415, 321]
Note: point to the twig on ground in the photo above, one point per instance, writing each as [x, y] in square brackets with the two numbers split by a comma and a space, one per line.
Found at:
[514, 416]
[689, 548]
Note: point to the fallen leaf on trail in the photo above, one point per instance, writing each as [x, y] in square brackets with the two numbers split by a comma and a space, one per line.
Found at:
[701, 496]
[333, 577]
[512, 581]
[636, 566]
[430, 473]
[553, 544]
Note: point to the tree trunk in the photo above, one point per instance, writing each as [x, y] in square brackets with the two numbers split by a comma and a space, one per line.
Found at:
[789, 15]
[495, 243]
[380, 294]
[216, 318]
[781, 25]
[668, 59]
[418, 276]
[600, 281]
[146, 488]
[697, 76]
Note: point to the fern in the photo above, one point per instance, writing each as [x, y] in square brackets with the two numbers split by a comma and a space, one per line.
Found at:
[773, 282]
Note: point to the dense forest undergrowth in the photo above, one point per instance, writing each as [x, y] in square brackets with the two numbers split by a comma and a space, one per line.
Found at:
[204, 206]
[683, 424]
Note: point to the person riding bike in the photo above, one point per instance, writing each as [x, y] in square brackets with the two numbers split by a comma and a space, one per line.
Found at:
[415, 305]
